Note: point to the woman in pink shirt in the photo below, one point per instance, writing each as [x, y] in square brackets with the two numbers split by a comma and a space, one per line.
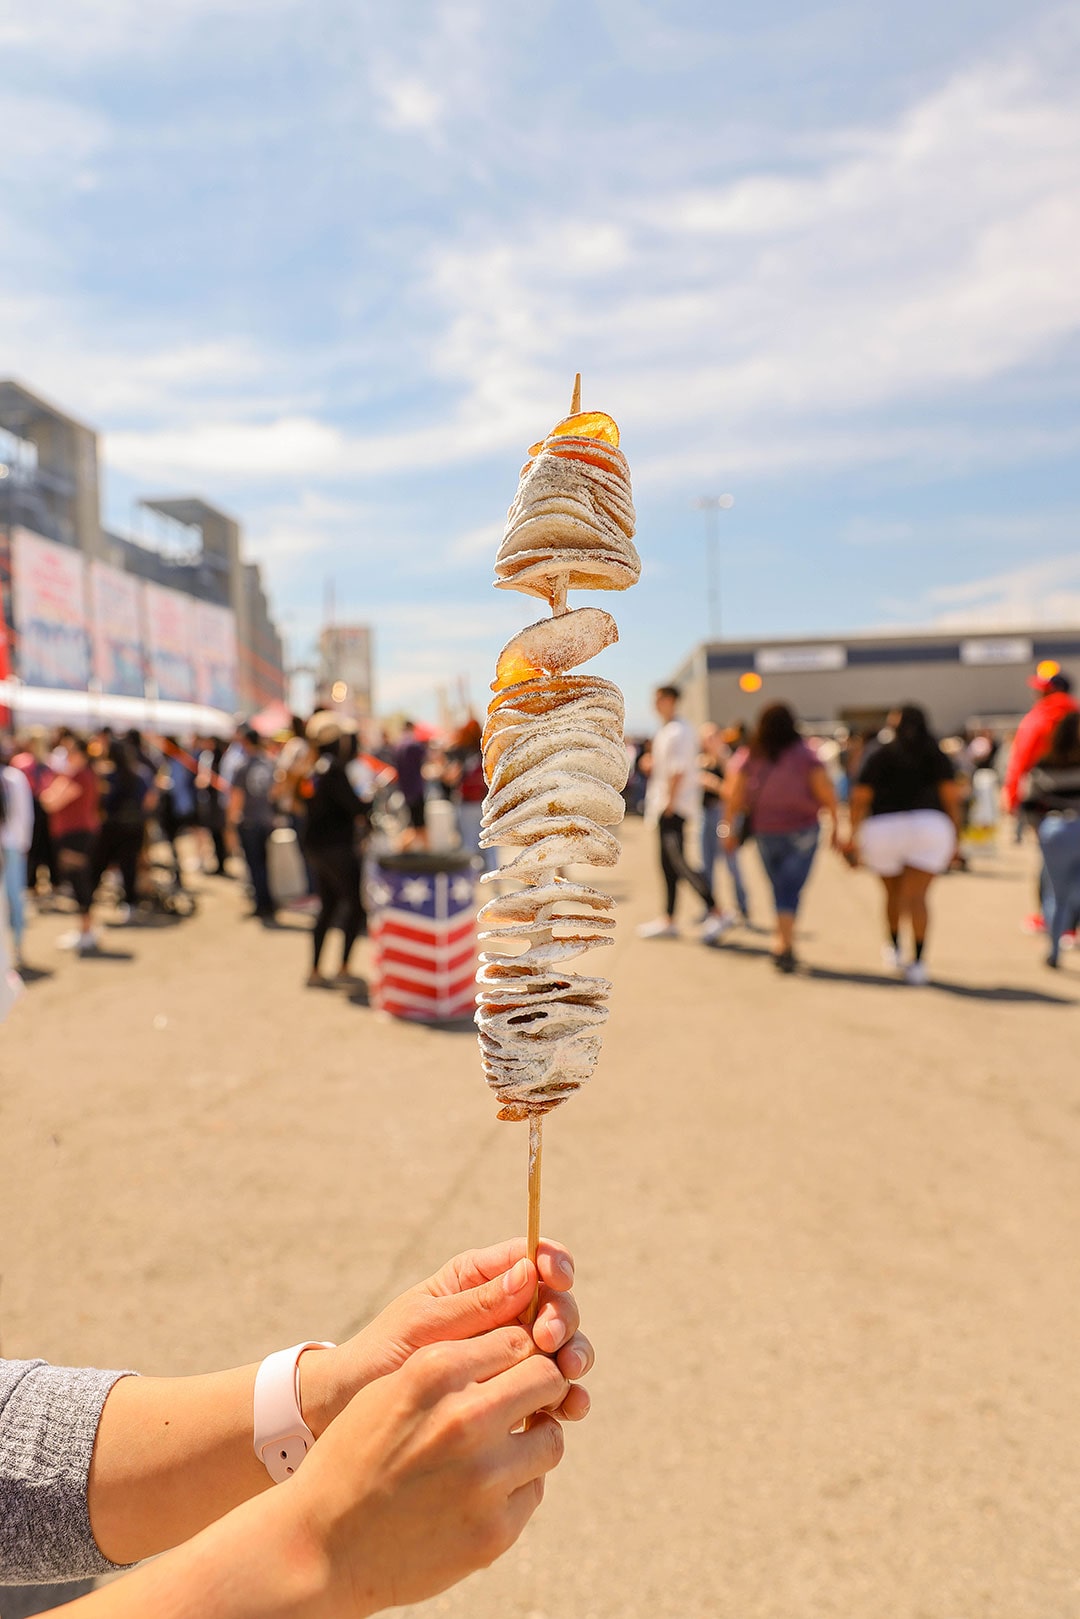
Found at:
[778, 797]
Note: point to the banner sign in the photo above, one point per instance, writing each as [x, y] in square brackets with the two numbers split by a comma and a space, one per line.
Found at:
[999, 649]
[216, 658]
[791, 660]
[49, 610]
[169, 638]
[118, 648]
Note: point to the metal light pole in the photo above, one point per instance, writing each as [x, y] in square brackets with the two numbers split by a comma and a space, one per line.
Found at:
[712, 505]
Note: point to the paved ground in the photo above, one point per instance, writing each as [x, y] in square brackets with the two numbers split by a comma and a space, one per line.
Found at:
[827, 1231]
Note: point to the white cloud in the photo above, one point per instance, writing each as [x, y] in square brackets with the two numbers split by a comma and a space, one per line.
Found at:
[114, 27]
[1045, 593]
[409, 104]
[765, 324]
[1018, 530]
[477, 542]
[228, 450]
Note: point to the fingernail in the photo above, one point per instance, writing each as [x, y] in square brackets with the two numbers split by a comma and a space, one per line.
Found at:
[567, 1267]
[515, 1279]
[554, 1331]
[573, 1363]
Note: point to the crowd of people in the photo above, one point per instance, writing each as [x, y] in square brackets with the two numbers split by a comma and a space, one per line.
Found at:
[290, 814]
[895, 801]
[293, 814]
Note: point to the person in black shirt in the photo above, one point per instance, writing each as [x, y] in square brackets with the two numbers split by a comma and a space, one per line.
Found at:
[330, 844]
[905, 819]
[127, 789]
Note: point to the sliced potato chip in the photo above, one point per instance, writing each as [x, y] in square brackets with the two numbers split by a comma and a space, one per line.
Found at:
[589, 424]
[554, 645]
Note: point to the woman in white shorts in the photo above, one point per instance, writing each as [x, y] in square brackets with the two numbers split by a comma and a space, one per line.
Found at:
[905, 817]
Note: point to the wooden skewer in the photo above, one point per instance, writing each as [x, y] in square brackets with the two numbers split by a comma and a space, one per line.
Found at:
[536, 1155]
[558, 596]
[536, 1120]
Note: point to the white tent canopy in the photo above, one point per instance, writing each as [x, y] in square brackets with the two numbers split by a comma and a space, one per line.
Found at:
[86, 710]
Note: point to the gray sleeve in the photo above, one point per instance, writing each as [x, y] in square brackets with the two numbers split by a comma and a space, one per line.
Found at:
[48, 1422]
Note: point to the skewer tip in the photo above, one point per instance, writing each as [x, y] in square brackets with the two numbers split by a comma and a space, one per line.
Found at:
[575, 400]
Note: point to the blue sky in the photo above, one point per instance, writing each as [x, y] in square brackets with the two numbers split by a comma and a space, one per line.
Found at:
[333, 266]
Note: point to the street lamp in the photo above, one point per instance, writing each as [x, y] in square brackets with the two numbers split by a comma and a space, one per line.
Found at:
[711, 505]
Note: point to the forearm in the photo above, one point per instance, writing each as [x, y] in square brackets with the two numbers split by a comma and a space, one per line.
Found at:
[259, 1562]
[859, 807]
[173, 1455]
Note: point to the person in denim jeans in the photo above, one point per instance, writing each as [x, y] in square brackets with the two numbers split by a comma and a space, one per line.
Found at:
[16, 832]
[713, 764]
[778, 796]
[251, 812]
[1053, 803]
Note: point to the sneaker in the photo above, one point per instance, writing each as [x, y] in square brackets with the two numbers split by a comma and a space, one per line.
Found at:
[915, 973]
[890, 957]
[714, 927]
[69, 941]
[88, 943]
[662, 928]
[1068, 941]
[785, 961]
[1033, 924]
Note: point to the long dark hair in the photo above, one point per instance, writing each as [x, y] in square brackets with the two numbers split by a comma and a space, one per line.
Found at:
[914, 738]
[123, 770]
[1064, 750]
[774, 733]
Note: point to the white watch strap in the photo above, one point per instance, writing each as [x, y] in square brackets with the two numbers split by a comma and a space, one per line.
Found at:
[282, 1437]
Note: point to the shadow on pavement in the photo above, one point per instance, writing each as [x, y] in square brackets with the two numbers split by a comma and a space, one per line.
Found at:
[728, 946]
[972, 992]
[146, 922]
[35, 975]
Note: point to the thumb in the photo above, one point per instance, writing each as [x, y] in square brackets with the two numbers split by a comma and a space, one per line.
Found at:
[480, 1309]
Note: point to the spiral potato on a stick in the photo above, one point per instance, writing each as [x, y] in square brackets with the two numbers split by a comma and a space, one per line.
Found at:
[555, 766]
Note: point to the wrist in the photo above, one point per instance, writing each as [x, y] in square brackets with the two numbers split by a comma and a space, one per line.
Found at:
[294, 1576]
[322, 1396]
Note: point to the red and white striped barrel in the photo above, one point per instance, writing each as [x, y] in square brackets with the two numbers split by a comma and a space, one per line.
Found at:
[423, 933]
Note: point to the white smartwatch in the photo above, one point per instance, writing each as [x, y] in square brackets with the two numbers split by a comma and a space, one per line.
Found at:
[282, 1437]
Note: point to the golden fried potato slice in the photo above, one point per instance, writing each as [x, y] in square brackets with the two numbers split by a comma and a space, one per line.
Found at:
[554, 645]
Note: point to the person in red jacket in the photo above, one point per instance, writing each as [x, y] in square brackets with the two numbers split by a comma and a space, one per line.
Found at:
[1031, 742]
[1035, 730]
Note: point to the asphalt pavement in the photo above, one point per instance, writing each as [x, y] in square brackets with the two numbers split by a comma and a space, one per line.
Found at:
[827, 1230]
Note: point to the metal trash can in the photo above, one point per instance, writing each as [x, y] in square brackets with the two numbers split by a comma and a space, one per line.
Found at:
[422, 926]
